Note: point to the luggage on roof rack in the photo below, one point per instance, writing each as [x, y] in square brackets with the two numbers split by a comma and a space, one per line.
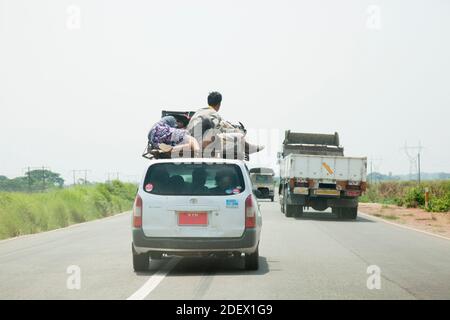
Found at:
[183, 116]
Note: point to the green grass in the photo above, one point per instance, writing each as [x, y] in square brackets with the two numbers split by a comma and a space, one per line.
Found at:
[410, 194]
[23, 213]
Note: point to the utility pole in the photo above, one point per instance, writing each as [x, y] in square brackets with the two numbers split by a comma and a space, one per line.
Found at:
[43, 178]
[418, 165]
[29, 180]
[112, 174]
[84, 171]
[413, 154]
[371, 167]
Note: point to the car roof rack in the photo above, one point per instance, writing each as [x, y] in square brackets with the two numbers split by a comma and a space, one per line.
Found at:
[155, 154]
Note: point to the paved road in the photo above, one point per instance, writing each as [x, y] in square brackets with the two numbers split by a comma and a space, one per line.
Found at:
[315, 257]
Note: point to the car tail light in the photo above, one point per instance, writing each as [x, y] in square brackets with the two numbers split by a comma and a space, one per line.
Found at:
[250, 213]
[137, 212]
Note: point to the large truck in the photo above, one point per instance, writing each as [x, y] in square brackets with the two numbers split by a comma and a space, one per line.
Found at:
[314, 173]
[262, 180]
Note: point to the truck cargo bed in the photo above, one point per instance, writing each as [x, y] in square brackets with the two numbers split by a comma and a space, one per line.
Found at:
[324, 167]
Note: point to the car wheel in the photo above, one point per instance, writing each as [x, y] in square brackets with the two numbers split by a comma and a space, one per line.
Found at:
[298, 212]
[271, 199]
[140, 261]
[290, 210]
[252, 260]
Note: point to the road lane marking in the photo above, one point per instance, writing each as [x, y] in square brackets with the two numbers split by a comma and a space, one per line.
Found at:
[154, 281]
[402, 226]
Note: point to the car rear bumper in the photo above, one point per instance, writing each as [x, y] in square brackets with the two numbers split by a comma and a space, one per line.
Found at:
[247, 243]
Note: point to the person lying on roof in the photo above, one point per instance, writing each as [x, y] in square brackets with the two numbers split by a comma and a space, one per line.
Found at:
[168, 137]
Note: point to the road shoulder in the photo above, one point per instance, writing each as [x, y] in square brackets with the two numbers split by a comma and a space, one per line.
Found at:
[433, 223]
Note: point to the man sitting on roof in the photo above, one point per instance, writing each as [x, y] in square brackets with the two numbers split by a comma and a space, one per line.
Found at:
[207, 124]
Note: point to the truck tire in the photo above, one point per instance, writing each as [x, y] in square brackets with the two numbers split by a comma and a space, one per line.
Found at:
[141, 262]
[350, 213]
[252, 260]
[337, 211]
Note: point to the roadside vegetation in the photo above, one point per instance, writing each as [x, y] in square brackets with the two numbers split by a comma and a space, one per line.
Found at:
[410, 194]
[25, 213]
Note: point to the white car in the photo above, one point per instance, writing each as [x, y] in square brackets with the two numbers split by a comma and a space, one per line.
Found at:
[196, 207]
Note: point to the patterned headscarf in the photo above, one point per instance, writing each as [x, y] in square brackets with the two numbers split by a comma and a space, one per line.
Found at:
[169, 120]
[165, 121]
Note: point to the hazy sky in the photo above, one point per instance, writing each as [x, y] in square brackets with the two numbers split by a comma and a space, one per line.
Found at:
[82, 93]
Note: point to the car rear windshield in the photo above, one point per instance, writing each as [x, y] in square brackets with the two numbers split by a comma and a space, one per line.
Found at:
[194, 179]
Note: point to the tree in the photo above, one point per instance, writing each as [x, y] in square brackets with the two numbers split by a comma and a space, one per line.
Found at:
[34, 180]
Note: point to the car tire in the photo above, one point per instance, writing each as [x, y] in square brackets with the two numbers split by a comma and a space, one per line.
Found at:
[271, 199]
[141, 261]
[290, 210]
[252, 260]
[298, 212]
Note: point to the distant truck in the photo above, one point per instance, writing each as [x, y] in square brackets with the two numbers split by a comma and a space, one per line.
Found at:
[262, 180]
[314, 173]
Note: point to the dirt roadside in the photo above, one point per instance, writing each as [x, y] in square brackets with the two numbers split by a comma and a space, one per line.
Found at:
[434, 222]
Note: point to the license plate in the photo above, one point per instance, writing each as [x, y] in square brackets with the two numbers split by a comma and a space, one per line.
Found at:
[322, 192]
[192, 218]
[301, 190]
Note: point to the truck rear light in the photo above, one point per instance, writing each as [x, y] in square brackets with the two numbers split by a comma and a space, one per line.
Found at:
[363, 186]
[353, 193]
[250, 212]
[137, 212]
